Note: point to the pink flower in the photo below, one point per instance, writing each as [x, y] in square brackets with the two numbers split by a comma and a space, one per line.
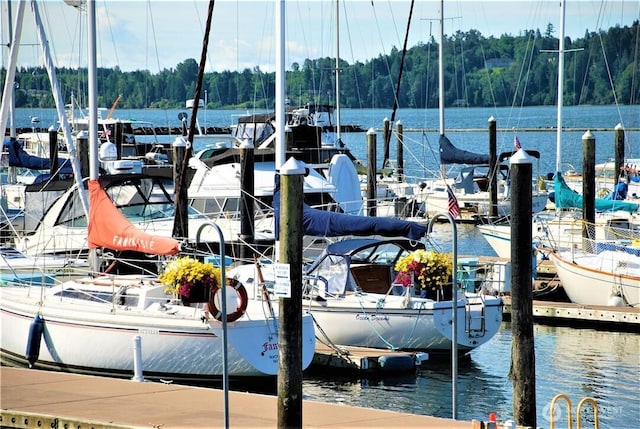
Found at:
[403, 278]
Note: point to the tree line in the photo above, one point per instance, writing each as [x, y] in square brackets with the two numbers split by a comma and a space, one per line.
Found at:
[600, 68]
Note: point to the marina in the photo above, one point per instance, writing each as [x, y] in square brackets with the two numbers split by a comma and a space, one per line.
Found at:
[266, 270]
[94, 400]
[424, 389]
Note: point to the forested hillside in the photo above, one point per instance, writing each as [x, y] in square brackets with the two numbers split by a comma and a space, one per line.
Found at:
[479, 71]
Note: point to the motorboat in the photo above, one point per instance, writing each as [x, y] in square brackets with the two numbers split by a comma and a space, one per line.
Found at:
[147, 201]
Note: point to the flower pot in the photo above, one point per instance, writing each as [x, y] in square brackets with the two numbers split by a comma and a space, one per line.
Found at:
[197, 293]
[434, 292]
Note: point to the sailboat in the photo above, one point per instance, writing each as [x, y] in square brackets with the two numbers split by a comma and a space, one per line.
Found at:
[471, 186]
[562, 228]
[313, 137]
[107, 313]
[350, 291]
[601, 269]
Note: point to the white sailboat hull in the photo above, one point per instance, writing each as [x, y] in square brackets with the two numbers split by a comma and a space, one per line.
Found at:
[176, 341]
[425, 326]
[388, 321]
[563, 232]
[610, 278]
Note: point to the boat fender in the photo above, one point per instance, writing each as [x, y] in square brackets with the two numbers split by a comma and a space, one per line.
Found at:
[34, 339]
[396, 363]
[241, 295]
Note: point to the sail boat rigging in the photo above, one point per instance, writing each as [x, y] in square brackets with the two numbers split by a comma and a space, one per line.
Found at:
[385, 159]
[181, 222]
[471, 189]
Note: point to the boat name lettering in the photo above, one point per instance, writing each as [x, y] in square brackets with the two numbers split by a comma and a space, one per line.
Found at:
[148, 331]
[122, 242]
[371, 317]
[269, 347]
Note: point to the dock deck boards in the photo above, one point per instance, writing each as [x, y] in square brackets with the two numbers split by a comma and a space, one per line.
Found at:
[85, 401]
[622, 318]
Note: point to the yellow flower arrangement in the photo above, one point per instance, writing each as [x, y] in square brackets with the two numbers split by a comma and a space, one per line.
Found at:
[181, 275]
[426, 268]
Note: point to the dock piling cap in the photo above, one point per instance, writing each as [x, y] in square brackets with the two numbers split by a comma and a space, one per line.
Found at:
[293, 167]
[180, 142]
[520, 157]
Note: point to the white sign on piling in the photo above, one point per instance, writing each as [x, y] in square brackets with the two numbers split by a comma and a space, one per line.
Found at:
[282, 287]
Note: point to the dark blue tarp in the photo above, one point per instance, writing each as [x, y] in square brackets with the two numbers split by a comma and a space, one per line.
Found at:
[449, 154]
[19, 158]
[323, 223]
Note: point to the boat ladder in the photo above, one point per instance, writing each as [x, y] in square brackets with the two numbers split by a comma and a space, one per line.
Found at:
[552, 421]
[475, 317]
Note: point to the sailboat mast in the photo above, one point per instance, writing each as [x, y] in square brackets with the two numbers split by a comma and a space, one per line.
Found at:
[93, 90]
[338, 137]
[11, 70]
[560, 88]
[57, 97]
[441, 68]
[12, 104]
[280, 85]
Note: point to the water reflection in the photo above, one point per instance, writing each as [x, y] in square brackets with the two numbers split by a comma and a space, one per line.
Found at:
[576, 362]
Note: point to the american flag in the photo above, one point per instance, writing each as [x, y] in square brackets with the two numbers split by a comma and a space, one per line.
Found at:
[516, 143]
[454, 208]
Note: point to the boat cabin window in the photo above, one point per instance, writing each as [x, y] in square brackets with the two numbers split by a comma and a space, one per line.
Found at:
[144, 199]
[216, 206]
[99, 296]
[257, 132]
[72, 214]
[387, 253]
[333, 271]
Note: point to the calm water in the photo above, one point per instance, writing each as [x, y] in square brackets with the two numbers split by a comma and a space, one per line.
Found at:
[421, 148]
[578, 362]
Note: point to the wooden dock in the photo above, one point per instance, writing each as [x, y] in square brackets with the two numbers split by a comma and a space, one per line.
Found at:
[34, 399]
[566, 313]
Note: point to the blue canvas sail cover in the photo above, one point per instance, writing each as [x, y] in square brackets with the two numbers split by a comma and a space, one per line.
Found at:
[18, 157]
[449, 154]
[565, 197]
[323, 223]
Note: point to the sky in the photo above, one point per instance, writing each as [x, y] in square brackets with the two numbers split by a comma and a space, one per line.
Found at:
[159, 34]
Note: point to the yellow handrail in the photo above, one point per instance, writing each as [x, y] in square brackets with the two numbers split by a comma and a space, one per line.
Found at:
[552, 422]
[595, 412]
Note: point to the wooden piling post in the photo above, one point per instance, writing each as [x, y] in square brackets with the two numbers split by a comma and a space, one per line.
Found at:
[619, 153]
[386, 139]
[247, 210]
[588, 188]
[522, 371]
[493, 165]
[53, 152]
[372, 209]
[181, 222]
[117, 137]
[290, 320]
[83, 152]
[400, 150]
